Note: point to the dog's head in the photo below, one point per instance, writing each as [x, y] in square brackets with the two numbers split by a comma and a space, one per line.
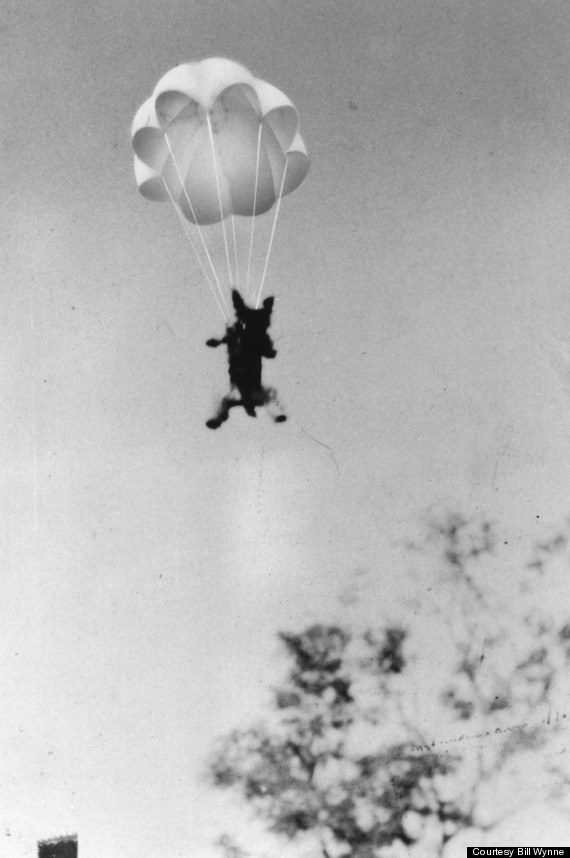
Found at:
[257, 321]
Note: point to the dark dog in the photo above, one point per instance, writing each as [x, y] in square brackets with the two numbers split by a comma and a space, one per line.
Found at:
[248, 342]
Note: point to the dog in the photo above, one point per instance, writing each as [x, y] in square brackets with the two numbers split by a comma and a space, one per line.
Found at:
[247, 342]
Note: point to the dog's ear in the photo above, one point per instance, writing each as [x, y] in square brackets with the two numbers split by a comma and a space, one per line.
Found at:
[238, 302]
[268, 303]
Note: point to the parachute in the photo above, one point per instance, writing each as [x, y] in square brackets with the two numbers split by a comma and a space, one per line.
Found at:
[218, 143]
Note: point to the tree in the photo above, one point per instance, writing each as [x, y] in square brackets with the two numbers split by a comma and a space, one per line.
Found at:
[392, 740]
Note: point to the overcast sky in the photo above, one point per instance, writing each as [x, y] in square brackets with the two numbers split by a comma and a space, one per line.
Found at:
[421, 317]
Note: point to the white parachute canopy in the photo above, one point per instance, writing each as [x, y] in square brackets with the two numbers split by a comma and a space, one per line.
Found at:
[218, 142]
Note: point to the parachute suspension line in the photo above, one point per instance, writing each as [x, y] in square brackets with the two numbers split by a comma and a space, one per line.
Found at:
[235, 250]
[198, 257]
[280, 197]
[209, 121]
[254, 204]
[200, 233]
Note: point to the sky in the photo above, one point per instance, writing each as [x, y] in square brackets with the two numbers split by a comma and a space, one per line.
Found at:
[421, 317]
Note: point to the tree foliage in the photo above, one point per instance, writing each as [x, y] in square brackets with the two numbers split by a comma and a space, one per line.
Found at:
[387, 740]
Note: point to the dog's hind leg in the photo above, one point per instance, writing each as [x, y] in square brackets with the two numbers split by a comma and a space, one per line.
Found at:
[223, 413]
[274, 407]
